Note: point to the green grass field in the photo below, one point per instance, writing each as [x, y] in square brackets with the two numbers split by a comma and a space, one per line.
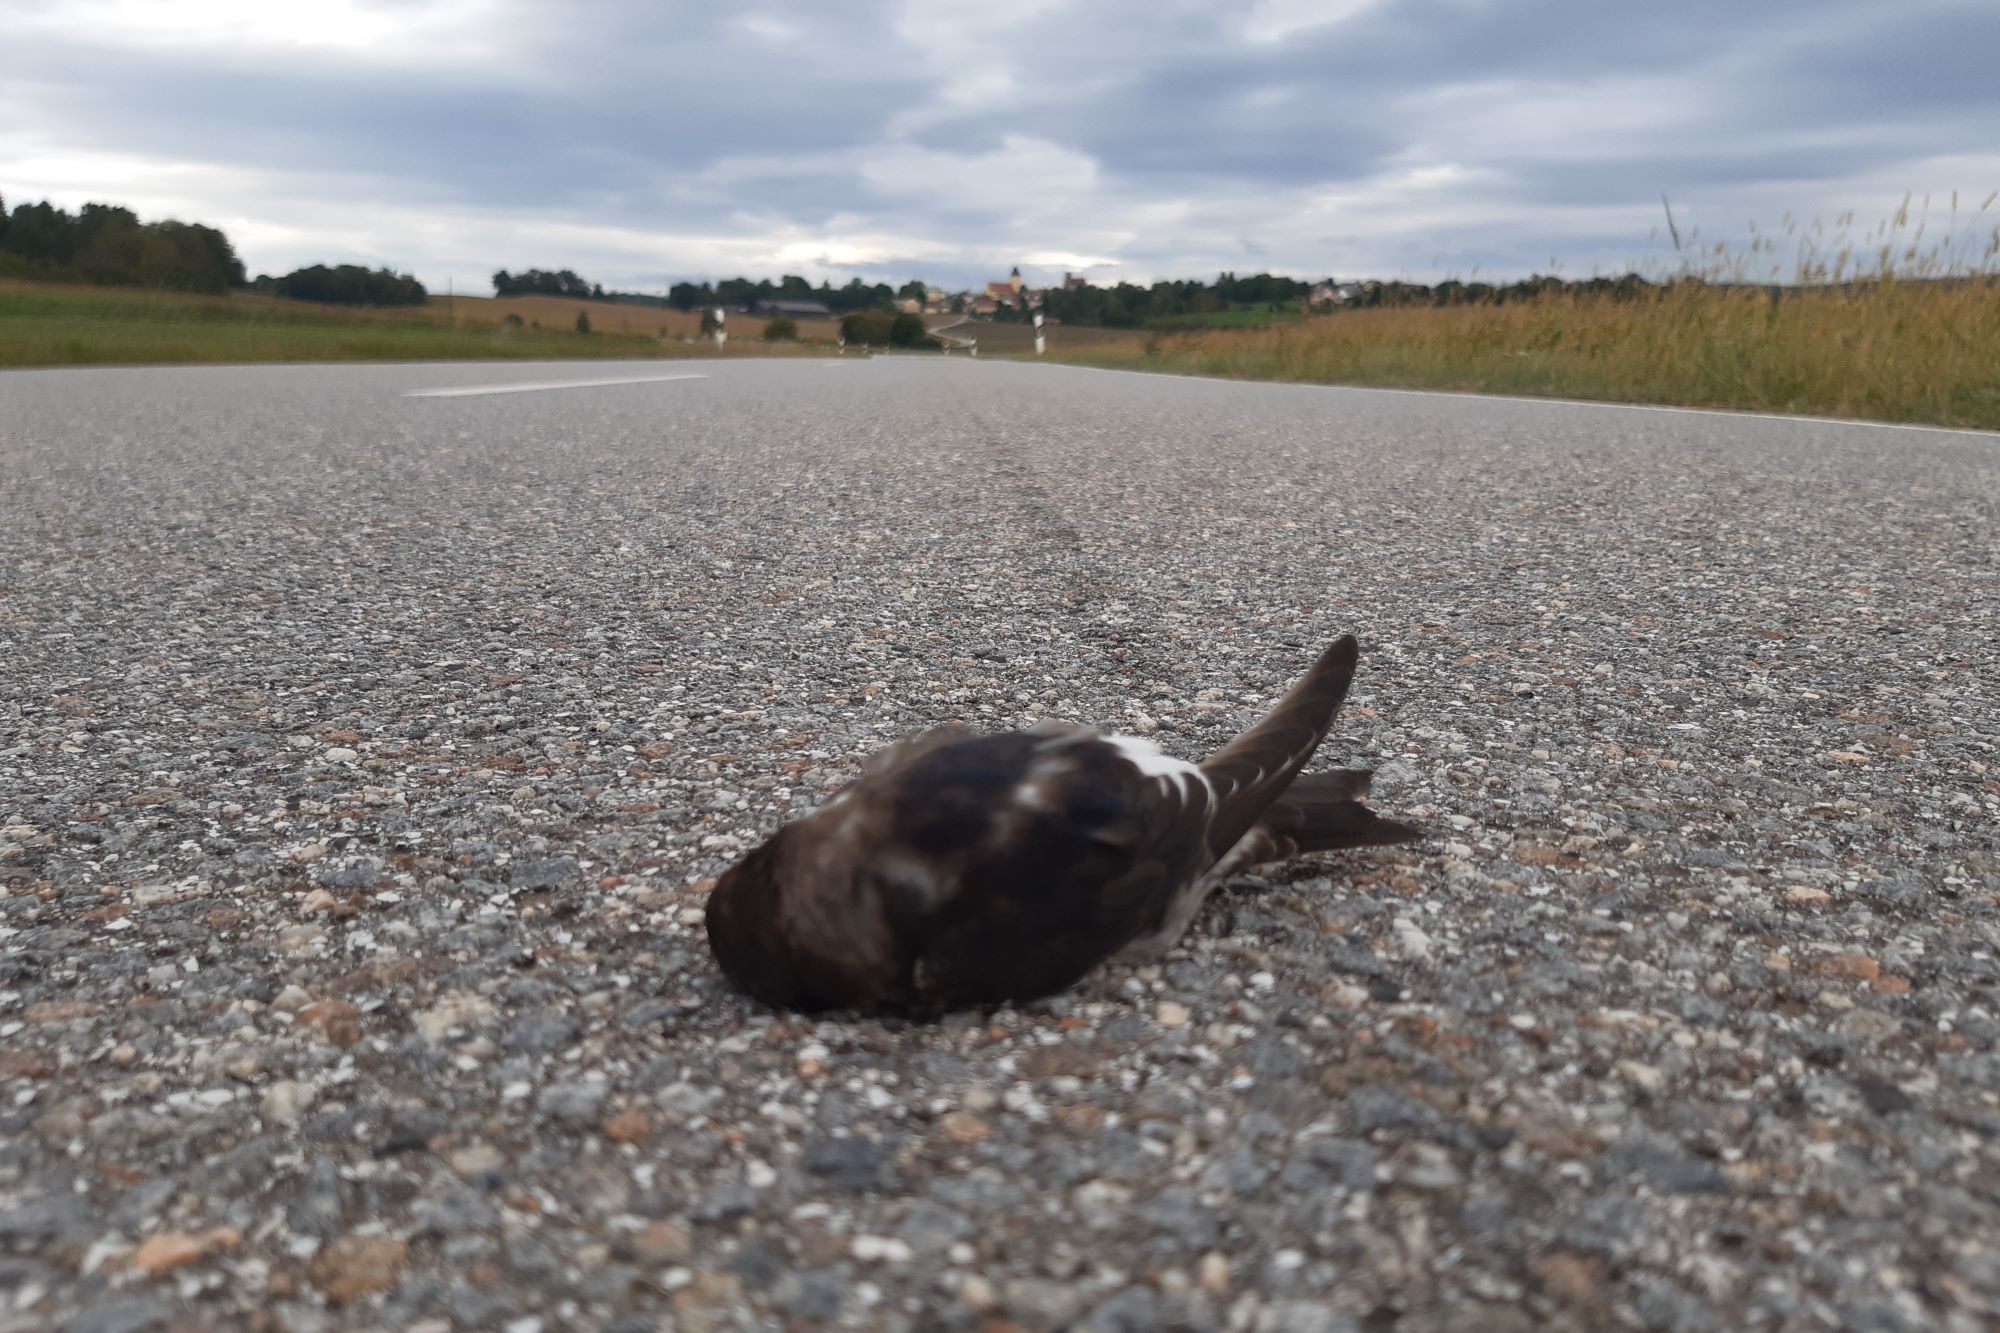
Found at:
[1237, 317]
[45, 324]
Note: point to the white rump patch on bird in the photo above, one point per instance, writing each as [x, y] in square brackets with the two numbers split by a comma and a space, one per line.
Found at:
[912, 874]
[1146, 757]
[1030, 796]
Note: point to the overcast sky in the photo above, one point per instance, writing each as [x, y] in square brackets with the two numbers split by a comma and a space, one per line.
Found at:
[641, 142]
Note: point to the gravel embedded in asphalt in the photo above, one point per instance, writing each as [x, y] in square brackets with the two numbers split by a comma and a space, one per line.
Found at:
[364, 761]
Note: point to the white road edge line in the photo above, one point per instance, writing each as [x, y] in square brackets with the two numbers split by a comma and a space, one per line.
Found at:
[473, 390]
[1531, 399]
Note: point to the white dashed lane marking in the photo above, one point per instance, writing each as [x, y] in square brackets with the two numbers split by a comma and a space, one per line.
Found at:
[535, 386]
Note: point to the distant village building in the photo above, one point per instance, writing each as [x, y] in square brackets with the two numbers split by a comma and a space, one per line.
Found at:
[1011, 292]
[1006, 292]
[1334, 293]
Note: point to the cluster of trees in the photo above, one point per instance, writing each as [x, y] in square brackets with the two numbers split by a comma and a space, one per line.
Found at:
[883, 328]
[345, 284]
[104, 243]
[735, 292]
[730, 293]
[1129, 306]
[545, 282]
[108, 244]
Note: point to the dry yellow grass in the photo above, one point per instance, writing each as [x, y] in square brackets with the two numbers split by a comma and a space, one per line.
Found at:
[1886, 325]
[1890, 351]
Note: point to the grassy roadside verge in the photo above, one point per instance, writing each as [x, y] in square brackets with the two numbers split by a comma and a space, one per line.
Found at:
[49, 325]
[1885, 350]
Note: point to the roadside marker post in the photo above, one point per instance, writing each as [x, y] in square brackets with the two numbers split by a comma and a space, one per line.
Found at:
[721, 333]
[1040, 344]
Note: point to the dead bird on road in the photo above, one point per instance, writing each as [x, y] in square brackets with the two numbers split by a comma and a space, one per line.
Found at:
[962, 870]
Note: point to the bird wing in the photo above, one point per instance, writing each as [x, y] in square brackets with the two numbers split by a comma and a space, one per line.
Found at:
[1253, 770]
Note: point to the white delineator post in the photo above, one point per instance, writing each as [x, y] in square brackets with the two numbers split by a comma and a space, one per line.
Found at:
[1040, 344]
[721, 333]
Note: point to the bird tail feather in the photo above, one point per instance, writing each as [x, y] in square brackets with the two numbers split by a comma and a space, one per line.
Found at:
[1322, 812]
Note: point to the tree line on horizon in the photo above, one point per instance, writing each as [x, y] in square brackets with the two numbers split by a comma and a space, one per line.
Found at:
[107, 244]
[1160, 304]
[1166, 303]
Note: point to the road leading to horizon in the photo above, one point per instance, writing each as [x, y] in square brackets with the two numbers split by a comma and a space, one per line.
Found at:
[364, 759]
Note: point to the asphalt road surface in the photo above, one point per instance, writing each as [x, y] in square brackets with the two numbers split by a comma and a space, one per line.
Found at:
[364, 759]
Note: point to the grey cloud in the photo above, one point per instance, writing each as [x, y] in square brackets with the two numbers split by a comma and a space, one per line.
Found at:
[487, 140]
[731, 124]
[1930, 72]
